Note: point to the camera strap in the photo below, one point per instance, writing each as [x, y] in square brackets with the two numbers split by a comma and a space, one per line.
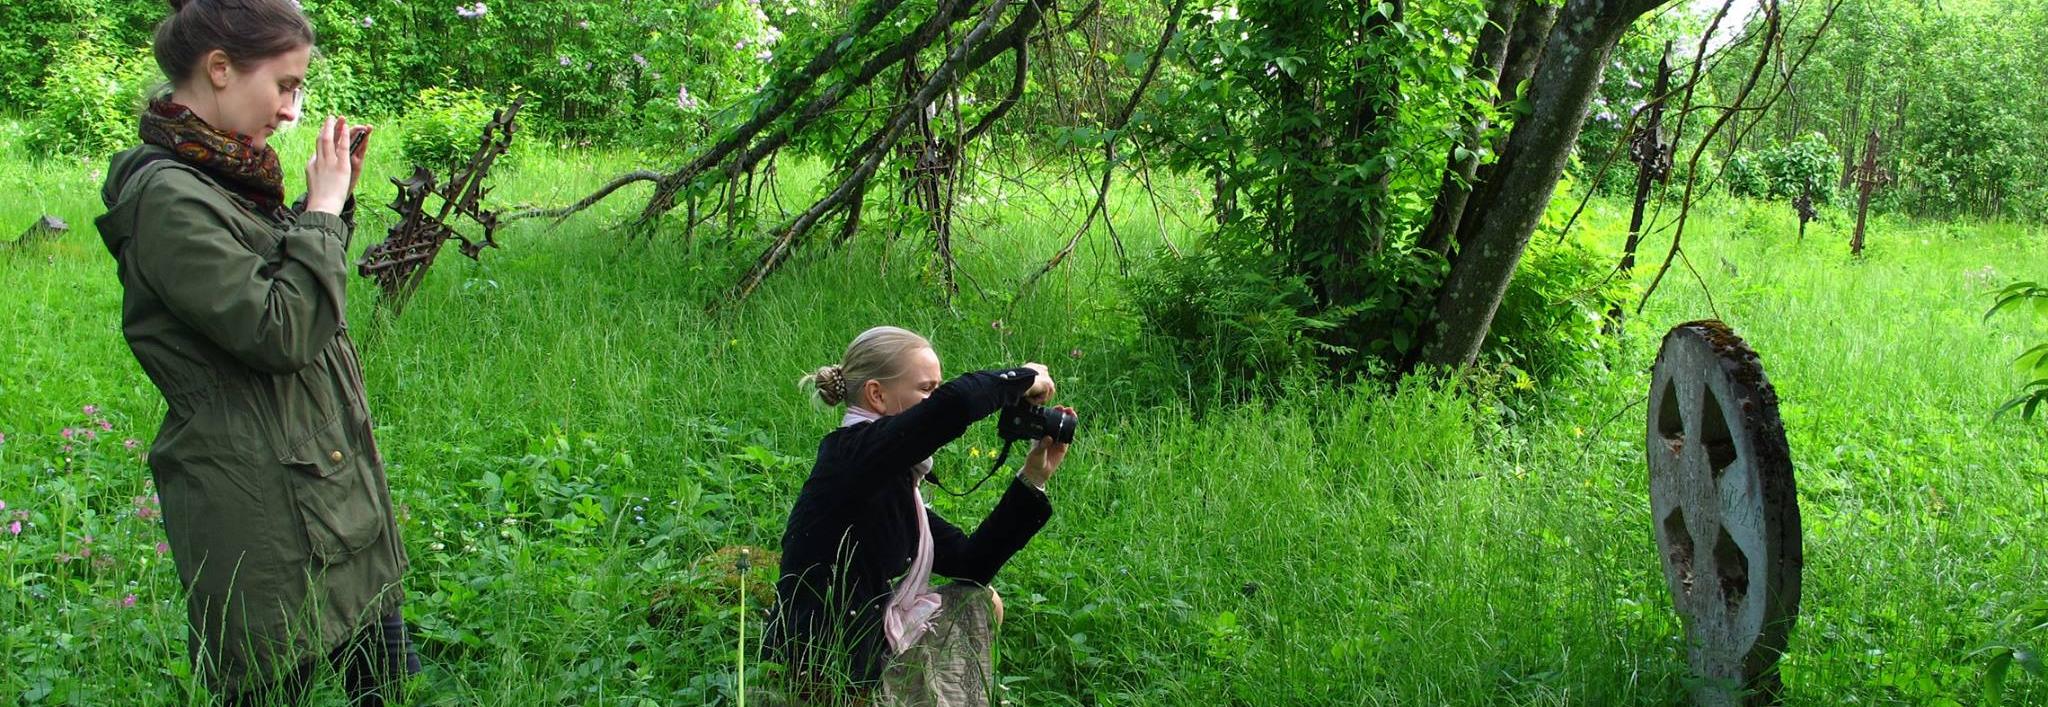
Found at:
[1001, 457]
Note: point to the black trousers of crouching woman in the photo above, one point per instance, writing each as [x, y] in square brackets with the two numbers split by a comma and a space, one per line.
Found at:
[373, 667]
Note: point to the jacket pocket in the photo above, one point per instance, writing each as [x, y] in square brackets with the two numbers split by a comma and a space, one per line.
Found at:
[333, 494]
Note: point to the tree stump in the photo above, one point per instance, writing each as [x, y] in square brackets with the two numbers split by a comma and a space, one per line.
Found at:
[1726, 511]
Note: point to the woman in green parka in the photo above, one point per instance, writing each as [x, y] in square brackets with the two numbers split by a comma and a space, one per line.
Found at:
[274, 494]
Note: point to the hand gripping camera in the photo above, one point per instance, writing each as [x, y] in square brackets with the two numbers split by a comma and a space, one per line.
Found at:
[1023, 422]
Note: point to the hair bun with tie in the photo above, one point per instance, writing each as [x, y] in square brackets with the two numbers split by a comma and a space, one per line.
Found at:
[831, 384]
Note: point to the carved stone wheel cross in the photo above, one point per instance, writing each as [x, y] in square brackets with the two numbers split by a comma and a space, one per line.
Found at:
[1725, 509]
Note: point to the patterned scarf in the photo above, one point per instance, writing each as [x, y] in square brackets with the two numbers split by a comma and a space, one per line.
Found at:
[909, 613]
[231, 158]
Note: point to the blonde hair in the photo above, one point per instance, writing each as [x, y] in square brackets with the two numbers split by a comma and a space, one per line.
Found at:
[877, 354]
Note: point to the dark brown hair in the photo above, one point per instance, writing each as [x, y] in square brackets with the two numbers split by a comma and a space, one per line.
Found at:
[249, 31]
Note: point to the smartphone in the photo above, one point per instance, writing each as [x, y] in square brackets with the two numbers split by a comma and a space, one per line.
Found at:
[355, 144]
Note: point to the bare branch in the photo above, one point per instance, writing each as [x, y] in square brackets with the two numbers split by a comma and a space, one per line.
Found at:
[563, 213]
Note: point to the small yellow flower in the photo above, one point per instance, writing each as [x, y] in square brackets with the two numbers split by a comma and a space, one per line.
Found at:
[974, 452]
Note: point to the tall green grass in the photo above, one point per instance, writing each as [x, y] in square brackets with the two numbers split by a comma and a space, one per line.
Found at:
[569, 431]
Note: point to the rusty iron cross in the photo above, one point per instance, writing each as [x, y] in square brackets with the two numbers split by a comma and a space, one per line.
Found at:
[400, 262]
[1869, 175]
[1648, 148]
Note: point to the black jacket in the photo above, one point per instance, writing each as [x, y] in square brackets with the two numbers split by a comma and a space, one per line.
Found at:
[852, 534]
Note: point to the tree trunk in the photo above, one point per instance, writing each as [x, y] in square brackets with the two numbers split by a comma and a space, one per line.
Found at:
[1525, 51]
[1320, 220]
[1459, 172]
[1851, 126]
[1569, 73]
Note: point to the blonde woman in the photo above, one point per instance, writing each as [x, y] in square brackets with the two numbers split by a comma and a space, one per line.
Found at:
[855, 601]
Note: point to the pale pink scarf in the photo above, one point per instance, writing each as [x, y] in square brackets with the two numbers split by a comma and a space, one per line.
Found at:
[912, 607]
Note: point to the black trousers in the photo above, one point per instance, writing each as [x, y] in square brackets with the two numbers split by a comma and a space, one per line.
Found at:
[373, 667]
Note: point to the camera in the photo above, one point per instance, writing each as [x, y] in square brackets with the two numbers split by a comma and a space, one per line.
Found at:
[1024, 422]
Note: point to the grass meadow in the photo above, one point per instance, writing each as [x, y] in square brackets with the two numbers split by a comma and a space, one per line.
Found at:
[572, 437]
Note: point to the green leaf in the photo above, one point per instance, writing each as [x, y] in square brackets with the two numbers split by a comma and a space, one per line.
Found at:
[2033, 359]
[2027, 659]
[1994, 677]
[1135, 60]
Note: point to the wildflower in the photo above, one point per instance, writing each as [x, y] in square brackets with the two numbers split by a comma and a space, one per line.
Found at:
[3, 505]
[739, 46]
[583, 24]
[764, 55]
[128, 602]
[641, 60]
[106, 426]
[91, 410]
[565, 61]
[162, 549]
[684, 100]
[471, 13]
[68, 433]
[367, 21]
[131, 443]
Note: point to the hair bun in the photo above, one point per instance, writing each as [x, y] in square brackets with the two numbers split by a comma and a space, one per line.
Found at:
[831, 382]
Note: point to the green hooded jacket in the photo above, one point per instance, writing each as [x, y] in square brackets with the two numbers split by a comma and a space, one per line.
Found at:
[274, 496]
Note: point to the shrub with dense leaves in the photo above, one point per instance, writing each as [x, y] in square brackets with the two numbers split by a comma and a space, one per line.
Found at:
[90, 103]
[442, 127]
[1807, 165]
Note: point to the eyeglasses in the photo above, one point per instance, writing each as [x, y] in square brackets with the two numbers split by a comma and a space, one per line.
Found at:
[298, 94]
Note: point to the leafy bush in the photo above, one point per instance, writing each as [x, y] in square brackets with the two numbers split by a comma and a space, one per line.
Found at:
[90, 102]
[442, 127]
[1786, 171]
[1745, 176]
[2033, 364]
[40, 32]
[1237, 319]
[1807, 164]
[1550, 317]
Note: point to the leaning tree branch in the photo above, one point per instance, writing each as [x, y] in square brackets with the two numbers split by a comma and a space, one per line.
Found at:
[1020, 77]
[563, 213]
[875, 150]
[1080, 16]
[786, 94]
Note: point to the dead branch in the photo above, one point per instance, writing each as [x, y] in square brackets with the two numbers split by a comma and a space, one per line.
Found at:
[873, 151]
